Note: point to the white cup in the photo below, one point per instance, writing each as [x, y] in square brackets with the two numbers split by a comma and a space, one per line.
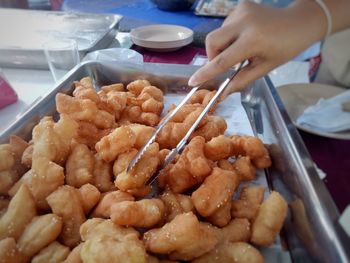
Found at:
[61, 55]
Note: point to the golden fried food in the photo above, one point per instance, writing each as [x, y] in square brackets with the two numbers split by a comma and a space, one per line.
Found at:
[118, 244]
[7, 179]
[52, 140]
[79, 166]
[89, 196]
[75, 169]
[27, 156]
[89, 134]
[215, 191]
[214, 127]
[86, 82]
[173, 132]
[41, 231]
[84, 110]
[150, 100]
[7, 157]
[120, 140]
[8, 174]
[4, 203]
[222, 216]
[142, 171]
[102, 175]
[44, 178]
[225, 165]
[238, 252]
[244, 168]
[112, 101]
[203, 96]
[142, 132]
[123, 160]
[185, 110]
[103, 209]
[239, 229]
[134, 114]
[190, 169]
[20, 212]
[218, 148]
[137, 86]
[85, 92]
[248, 203]
[253, 148]
[65, 202]
[144, 213]
[18, 146]
[113, 87]
[162, 155]
[53, 253]
[74, 255]
[176, 204]
[269, 220]
[140, 192]
[183, 238]
[96, 227]
[8, 251]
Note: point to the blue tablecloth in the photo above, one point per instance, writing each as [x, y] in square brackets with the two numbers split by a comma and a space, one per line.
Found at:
[143, 12]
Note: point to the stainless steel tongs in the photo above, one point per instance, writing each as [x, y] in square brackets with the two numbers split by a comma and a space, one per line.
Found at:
[170, 157]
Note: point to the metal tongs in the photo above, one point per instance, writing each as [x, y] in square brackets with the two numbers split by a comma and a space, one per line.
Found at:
[170, 157]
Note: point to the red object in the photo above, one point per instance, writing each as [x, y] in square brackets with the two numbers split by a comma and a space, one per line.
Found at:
[184, 55]
[7, 94]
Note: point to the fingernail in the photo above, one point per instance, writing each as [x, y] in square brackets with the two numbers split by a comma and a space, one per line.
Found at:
[193, 81]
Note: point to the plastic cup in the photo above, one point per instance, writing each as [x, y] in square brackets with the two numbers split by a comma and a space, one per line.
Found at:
[61, 55]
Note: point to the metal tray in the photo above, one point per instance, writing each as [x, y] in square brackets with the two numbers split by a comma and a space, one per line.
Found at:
[21, 46]
[311, 230]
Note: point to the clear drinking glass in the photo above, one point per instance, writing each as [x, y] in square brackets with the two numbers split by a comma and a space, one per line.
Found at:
[61, 55]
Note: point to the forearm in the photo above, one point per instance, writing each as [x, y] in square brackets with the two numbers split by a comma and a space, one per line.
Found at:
[313, 13]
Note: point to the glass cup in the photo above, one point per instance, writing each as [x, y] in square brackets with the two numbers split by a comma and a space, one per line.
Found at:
[61, 55]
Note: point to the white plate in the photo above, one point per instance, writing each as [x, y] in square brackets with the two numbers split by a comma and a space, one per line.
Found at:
[297, 97]
[162, 37]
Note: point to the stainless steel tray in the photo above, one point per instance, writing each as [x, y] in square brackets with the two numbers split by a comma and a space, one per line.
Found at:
[23, 33]
[311, 231]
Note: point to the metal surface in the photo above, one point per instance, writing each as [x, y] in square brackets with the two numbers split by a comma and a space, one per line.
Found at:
[311, 229]
[22, 46]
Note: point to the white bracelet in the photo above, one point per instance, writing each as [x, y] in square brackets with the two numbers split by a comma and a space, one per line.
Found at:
[328, 16]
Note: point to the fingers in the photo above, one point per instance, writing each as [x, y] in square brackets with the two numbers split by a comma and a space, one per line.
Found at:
[247, 75]
[218, 40]
[232, 55]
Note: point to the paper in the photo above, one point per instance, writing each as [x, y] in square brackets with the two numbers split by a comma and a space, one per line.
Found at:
[327, 115]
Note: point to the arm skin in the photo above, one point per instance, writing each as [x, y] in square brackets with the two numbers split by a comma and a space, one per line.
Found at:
[268, 37]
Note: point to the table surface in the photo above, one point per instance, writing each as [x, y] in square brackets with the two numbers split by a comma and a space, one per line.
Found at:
[144, 12]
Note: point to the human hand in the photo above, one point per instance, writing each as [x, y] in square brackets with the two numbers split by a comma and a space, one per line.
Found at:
[266, 36]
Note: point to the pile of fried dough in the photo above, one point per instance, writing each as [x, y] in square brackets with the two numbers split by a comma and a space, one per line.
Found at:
[66, 195]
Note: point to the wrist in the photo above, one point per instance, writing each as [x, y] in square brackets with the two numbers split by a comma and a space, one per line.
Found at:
[310, 17]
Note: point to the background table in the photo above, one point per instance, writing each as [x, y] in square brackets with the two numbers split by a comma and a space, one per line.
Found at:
[144, 12]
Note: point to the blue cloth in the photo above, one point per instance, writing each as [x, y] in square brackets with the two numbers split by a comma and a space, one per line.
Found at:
[143, 10]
